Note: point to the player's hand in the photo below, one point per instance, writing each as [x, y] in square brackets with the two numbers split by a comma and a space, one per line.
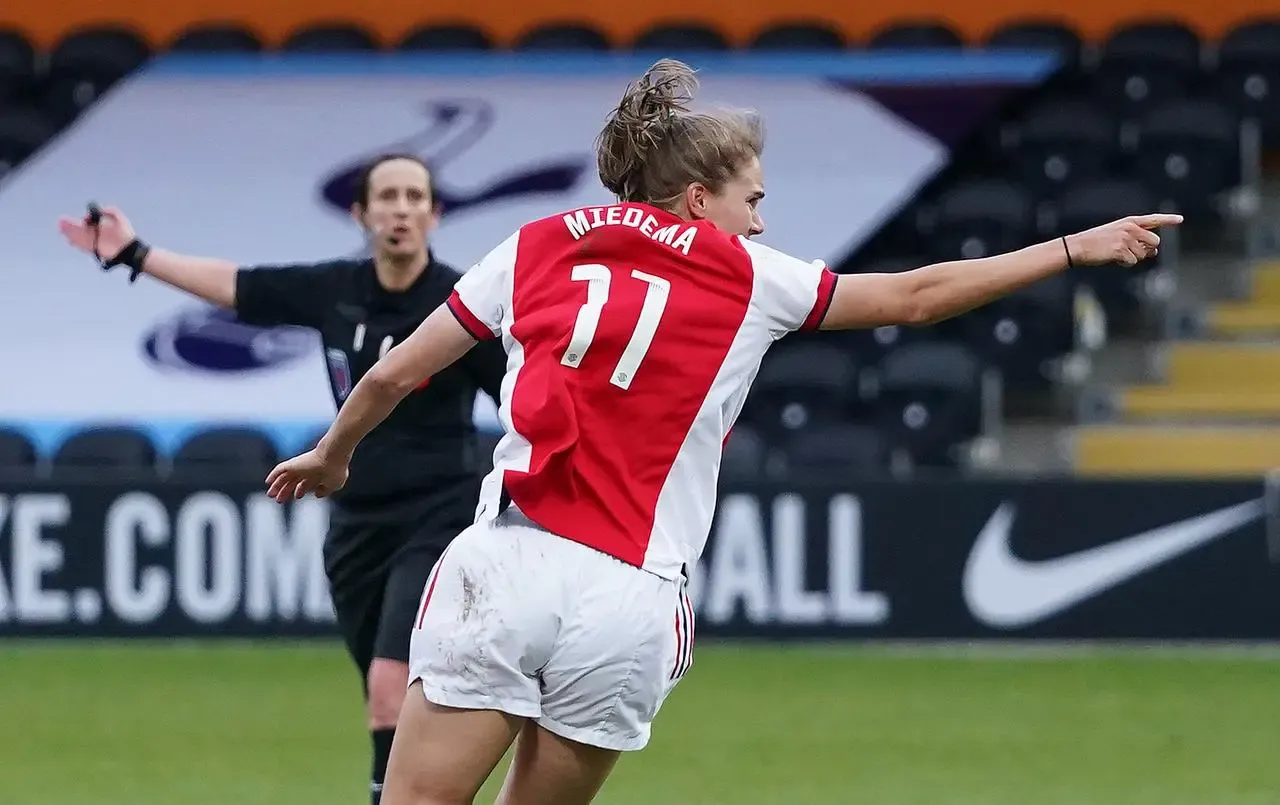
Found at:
[306, 474]
[114, 233]
[1127, 241]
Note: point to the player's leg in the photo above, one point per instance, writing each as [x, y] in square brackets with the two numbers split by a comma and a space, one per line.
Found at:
[388, 675]
[550, 769]
[443, 755]
[483, 629]
[621, 649]
[357, 571]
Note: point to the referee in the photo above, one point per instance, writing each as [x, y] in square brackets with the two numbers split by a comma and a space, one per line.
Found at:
[415, 481]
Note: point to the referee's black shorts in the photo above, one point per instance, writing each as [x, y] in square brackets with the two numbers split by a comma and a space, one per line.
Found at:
[378, 563]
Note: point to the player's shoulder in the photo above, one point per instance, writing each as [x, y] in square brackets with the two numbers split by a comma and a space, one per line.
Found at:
[768, 258]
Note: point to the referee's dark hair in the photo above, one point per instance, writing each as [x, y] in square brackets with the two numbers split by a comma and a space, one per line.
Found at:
[363, 178]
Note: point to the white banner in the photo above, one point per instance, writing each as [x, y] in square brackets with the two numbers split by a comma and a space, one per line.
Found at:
[237, 166]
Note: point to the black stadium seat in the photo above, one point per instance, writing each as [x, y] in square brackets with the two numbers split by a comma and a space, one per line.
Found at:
[330, 38]
[840, 451]
[225, 452]
[1187, 152]
[22, 132]
[801, 384]
[17, 454]
[1023, 330]
[1248, 72]
[930, 400]
[799, 36]
[445, 37]
[1062, 142]
[86, 63]
[744, 455]
[680, 37]
[978, 219]
[562, 36]
[118, 451]
[17, 65]
[916, 35]
[1145, 63]
[1037, 34]
[216, 38]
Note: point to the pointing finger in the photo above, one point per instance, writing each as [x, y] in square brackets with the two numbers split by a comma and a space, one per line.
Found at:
[1157, 220]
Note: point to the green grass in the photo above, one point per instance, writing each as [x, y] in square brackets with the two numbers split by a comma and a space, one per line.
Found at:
[276, 725]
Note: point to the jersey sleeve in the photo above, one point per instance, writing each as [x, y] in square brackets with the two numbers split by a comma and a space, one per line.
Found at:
[268, 296]
[481, 297]
[793, 294]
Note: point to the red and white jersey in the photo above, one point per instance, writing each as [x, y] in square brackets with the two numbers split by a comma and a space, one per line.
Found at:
[632, 338]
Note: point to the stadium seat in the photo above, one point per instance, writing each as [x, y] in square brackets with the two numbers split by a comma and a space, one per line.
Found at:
[1090, 204]
[800, 384]
[977, 219]
[22, 132]
[17, 65]
[1147, 62]
[930, 400]
[120, 451]
[446, 37]
[1022, 331]
[744, 455]
[1184, 451]
[1248, 72]
[224, 452]
[17, 454]
[799, 36]
[330, 38]
[1061, 142]
[1039, 34]
[680, 37]
[216, 38]
[84, 64]
[836, 451]
[562, 36]
[1187, 152]
[916, 35]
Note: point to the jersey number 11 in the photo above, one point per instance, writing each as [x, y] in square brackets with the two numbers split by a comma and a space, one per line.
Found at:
[598, 278]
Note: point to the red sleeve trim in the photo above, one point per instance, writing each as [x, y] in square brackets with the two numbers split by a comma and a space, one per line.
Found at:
[826, 292]
[468, 320]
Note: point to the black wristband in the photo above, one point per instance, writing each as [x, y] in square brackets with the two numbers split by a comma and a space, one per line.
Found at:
[132, 255]
[1070, 263]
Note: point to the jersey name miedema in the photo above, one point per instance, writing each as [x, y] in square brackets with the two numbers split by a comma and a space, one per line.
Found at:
[632, 337]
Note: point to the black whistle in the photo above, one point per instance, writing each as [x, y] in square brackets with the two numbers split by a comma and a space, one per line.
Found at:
[95, 215]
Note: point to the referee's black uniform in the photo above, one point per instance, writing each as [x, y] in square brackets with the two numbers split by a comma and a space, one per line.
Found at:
[415, 479]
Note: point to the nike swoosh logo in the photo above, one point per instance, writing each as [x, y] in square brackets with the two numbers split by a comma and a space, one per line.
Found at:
[1002, 590]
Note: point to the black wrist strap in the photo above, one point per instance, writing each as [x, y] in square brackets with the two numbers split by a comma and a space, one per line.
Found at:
[132, 255]
[1070, 263]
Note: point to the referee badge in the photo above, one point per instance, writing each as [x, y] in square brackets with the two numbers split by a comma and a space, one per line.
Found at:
[339, 372]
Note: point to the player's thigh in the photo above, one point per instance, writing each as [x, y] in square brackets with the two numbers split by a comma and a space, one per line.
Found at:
[617, 658]
[442, 755]
[551, 770]
[357, 568]
[406, 581]
[487, 623]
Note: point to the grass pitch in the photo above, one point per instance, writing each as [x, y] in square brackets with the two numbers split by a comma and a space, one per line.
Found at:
[275, 724]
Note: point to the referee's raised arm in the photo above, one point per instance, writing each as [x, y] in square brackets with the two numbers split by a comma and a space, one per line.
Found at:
[265, 296]
[209, 278]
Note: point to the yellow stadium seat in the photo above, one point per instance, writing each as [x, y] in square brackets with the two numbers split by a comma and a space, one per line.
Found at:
[1219, 365]
[1154, 451]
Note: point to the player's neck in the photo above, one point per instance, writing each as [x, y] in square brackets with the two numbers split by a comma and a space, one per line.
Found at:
[398, 273]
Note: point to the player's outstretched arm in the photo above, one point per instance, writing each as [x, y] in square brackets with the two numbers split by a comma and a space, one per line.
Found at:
[438, 342]
[937, 292]
[211, 279]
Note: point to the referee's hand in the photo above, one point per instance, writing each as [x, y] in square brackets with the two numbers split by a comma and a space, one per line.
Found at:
[305, 474]
[114, 232]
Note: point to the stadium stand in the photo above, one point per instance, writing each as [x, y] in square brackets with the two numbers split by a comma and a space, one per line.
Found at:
[1147, 115]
